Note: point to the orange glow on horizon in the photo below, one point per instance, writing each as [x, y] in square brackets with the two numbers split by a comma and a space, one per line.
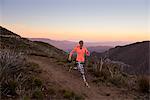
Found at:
[72, 34]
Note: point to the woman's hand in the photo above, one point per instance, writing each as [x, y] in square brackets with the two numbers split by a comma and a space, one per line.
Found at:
[69, 58]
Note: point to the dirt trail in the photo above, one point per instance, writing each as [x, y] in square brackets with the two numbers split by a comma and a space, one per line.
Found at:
[73, 81]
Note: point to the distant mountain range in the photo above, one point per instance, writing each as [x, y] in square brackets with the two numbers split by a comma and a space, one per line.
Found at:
[92, 46]
[136, 54]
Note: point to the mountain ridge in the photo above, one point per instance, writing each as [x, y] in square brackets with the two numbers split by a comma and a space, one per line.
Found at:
[136, 54]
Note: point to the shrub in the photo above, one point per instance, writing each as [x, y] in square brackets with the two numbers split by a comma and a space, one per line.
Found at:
[17, 76]
[26, 98]
[12, 65]
[37, 82]
[37, 94]
[9, 88]
[68, 94]
[143, 84]
[71, 95]
[33, 68]
[118, 81]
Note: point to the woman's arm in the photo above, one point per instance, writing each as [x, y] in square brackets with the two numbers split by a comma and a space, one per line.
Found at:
[87, 52]
[71, 53]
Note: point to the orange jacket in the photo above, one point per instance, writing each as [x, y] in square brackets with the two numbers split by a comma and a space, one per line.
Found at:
[80, 53]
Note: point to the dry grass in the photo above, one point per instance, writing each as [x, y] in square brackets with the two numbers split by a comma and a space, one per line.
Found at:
[106, 71]
[11, 74]
[17, 76]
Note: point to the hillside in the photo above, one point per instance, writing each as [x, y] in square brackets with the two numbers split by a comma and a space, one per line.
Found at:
[4, 31]
[136, 54]
[33, 70]
[23, 45]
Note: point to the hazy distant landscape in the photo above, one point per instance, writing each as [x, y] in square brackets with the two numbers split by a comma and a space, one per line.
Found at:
[92, 46]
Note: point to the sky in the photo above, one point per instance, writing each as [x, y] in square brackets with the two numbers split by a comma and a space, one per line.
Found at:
[88, 20]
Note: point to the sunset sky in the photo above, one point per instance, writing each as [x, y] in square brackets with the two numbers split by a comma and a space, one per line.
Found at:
[90, 20]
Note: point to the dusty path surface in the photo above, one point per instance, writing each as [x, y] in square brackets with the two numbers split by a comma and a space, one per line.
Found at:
[74, 82]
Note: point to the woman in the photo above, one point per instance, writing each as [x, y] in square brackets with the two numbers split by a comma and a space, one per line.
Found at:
[81, 52]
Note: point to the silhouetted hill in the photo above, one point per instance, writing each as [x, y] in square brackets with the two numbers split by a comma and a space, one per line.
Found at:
[136, 54]
[10, 40]
[4, 31]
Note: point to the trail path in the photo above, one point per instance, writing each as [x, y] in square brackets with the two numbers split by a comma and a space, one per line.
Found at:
[74, 82]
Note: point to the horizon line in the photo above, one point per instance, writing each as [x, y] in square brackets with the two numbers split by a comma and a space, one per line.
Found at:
[84, 40]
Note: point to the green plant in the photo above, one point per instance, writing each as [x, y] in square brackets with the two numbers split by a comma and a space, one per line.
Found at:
[68, 94]
[26, 98]
[37, 94]
[71, 95]
[38, 82]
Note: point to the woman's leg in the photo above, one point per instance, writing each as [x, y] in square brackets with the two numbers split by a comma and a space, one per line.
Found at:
[80, 68]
